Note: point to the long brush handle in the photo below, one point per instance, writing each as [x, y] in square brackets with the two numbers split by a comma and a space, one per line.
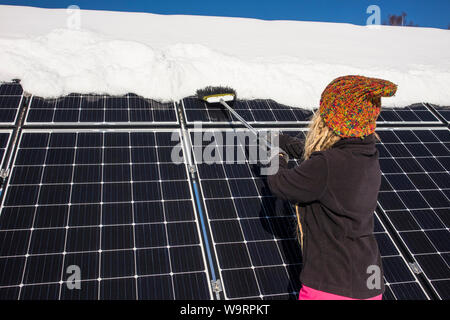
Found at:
[245, 123]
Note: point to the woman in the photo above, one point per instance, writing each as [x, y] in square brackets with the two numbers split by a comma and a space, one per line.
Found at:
[335, 190]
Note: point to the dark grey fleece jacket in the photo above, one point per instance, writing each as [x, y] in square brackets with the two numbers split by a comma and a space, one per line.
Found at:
[337, 192]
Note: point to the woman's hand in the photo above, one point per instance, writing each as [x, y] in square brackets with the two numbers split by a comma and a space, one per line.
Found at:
[292, 146]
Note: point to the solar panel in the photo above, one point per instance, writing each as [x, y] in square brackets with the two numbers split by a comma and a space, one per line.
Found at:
[78, 109]
[10, 100]
[253, 111]
[111, 203]
[415, 197]
[416, 114]
[253, 233]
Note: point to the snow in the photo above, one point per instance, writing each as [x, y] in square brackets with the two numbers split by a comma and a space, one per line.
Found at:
[169, 57]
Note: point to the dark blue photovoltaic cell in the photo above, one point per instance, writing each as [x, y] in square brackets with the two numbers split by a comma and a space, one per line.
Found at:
[96, 109]
[10, 100]
[111, 203]
[415, 193]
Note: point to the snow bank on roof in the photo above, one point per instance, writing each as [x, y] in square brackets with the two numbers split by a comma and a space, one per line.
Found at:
[169, 57]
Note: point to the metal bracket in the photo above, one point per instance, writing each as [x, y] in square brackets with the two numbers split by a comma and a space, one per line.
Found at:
[216, 285]
[192, 169]
[415, 267]
[4, 173]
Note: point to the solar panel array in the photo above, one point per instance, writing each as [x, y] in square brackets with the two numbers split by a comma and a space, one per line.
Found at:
[111, 201]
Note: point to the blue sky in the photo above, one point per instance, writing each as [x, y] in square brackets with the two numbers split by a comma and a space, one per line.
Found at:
[425, 13]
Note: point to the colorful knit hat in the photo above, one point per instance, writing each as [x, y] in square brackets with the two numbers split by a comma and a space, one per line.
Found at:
[350, 105]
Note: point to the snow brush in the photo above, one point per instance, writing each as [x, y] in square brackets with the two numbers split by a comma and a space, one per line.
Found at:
[222, 95]
[216, 94]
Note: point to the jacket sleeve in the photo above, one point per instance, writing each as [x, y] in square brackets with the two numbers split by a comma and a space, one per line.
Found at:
[304, 183]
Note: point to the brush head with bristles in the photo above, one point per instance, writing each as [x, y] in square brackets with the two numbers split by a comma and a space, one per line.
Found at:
[216, 94]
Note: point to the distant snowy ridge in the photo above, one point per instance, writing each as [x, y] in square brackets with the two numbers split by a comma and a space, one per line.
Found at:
[290, 62]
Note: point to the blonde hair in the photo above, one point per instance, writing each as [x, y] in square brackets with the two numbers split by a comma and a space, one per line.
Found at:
[319, 136]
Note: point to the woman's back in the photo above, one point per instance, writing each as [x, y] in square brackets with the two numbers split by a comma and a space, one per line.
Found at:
[340, 246]
[336, 188]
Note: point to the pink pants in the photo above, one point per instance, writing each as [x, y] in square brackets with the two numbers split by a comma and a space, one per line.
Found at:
[307, 293]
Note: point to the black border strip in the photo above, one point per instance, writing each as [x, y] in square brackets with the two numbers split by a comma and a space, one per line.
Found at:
[200, 209]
